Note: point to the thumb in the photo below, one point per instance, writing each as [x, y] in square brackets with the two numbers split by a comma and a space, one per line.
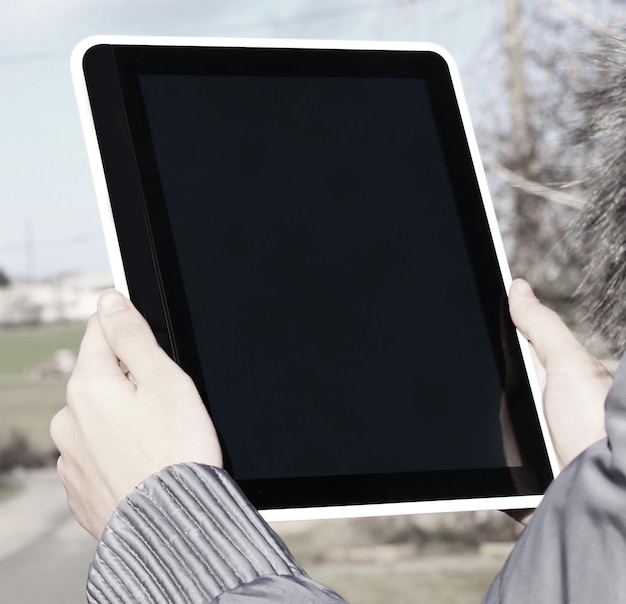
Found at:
[128, 334]
[551, 339]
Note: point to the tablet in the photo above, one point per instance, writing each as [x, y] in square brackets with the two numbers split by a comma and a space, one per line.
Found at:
[307, 229]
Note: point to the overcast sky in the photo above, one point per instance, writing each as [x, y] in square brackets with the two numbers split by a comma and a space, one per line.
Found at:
[49, 222]
[48, 215]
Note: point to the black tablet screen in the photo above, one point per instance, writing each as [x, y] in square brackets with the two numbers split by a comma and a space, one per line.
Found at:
[331, 293]
[304, 230]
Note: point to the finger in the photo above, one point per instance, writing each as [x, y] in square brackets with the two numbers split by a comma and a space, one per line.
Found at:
[129, 336]
[542, 327]
[95, 356]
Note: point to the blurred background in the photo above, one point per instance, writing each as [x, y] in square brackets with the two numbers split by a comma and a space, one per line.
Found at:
[524, 64]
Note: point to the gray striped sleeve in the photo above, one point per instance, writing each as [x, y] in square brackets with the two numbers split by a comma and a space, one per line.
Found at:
[187, 534]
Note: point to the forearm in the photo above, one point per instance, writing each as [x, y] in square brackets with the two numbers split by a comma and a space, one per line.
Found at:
[574, 548]
[188, 534]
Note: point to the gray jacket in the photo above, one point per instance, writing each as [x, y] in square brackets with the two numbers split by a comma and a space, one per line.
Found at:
[188, 534]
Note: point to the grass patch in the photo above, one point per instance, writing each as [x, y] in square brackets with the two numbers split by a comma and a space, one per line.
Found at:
[28, 405]
[9, 490]
[22, 348]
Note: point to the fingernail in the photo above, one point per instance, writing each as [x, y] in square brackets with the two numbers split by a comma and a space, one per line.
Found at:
[111, 301]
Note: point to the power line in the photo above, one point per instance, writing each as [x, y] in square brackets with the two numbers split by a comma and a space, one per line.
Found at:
[52, 243]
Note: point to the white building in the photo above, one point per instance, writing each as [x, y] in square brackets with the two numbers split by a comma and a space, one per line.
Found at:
[67, 298]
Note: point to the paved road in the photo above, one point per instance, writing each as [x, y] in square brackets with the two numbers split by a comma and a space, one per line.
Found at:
[44, 554]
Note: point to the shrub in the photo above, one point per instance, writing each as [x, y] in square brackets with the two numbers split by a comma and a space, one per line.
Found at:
[16, 450]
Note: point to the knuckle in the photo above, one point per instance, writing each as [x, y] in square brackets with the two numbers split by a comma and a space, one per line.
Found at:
[75, 389]
[62, 469]
[60, 465]
[58, 425]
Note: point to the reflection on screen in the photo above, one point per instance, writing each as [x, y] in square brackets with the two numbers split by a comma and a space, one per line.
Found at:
[335, 307]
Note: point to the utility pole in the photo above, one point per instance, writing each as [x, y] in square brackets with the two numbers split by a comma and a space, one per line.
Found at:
[521, 131]
[29, 251]
[527, 253]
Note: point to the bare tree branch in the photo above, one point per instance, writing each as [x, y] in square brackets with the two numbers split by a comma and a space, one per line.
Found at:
[589, 21]
[533, 188]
